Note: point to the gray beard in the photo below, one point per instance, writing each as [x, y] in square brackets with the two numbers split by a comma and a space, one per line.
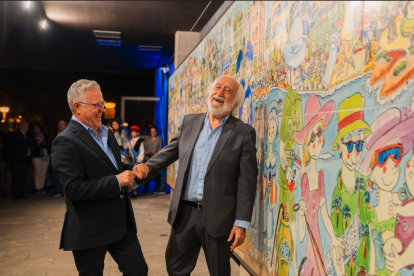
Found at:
[221, 111]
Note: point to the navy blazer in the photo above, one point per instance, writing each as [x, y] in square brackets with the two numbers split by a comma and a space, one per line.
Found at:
[96, 208]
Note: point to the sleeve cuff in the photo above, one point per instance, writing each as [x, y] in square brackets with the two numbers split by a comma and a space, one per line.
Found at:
[242, 223]
[120, 187]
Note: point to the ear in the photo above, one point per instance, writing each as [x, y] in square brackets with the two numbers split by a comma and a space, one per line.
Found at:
[76, 107]
[340, 146]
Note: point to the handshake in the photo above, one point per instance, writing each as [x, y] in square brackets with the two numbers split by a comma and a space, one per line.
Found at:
[126, 178]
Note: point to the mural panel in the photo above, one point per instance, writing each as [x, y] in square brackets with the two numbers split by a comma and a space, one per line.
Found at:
[329, 90]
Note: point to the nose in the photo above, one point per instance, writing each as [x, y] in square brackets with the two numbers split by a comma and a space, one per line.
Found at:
[354, 157]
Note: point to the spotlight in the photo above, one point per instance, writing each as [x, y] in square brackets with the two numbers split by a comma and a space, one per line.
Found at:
[44, 24]
[28, 3]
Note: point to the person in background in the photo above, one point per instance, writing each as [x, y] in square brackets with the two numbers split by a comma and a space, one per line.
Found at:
[120, 134]
[40, 157]
[57, 186]
[4, 156]
[136, 145]
[21, 152]
[152, 145]
[135, 148]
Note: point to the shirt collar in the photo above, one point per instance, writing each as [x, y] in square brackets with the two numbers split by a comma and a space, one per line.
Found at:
[223, 121]
[101, 129]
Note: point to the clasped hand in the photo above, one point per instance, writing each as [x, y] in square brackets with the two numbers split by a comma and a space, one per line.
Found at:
[126, 178]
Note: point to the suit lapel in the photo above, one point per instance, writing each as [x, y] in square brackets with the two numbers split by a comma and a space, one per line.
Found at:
[221, 142]
[115, 150]
[83, 134]
[195, 131]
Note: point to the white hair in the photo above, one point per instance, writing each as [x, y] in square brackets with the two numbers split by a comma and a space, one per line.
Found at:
[238, 98]
[77, 91]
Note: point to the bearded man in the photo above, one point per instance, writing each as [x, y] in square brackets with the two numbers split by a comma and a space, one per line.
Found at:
[213, 198]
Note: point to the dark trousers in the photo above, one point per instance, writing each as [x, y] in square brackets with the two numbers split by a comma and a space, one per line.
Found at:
[19, 178]
[126, 253]
[188, 235]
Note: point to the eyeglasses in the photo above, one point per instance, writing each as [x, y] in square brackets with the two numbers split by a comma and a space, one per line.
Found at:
[313, 135]
[97, 105]
[393, 151]
[358, 146]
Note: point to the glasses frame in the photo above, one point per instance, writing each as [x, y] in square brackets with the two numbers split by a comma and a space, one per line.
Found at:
[96, 105]
[378, 151]
[354, 145]
[313, 135]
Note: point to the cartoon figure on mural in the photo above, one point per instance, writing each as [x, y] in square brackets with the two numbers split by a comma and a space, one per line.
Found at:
[294, 54]
[312, 136]
[270, 173]
[351, 198]
[392, 137]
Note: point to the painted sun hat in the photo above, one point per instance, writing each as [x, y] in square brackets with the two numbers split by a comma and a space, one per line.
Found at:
[351, 117]
[313, 114]
[295, 50]
[391, 125]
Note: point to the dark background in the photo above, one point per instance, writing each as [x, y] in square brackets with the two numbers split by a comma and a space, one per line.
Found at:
[37, 66]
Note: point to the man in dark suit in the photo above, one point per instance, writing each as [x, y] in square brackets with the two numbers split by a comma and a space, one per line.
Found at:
[213, 198]
[99, 216]
[19, 158]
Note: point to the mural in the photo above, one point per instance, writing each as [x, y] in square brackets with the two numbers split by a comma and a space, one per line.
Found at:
[329, 89]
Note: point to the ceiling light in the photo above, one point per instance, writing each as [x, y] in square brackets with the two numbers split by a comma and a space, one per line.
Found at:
[149, 48]
[28, 3]
[107, 34]
[44, 24]
[109, 42]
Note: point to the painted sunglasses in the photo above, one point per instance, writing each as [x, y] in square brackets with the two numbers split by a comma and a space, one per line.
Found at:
[393, 151]
[359, 145]
[313, 135]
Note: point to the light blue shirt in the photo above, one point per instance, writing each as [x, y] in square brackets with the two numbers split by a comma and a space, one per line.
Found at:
[203, 150]
[103, 132]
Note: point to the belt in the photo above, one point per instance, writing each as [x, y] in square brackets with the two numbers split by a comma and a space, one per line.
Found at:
[197, 205]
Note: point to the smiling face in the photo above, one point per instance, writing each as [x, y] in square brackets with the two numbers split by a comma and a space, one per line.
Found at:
[385, 176]
[89, 115]
[410, 10]
[62, 125]
[409, 175]
[293, 76]
[351, 159]
[115, 125]
[221, 98]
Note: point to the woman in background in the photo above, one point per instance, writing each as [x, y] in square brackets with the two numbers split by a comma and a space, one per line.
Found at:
[152, 145]
[40, 157]
[120, 133]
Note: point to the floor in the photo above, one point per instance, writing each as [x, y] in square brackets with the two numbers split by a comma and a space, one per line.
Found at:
[30, 233]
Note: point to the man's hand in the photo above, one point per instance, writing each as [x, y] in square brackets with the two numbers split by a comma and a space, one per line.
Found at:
[126, 178]
[239, 233]
[141, 171]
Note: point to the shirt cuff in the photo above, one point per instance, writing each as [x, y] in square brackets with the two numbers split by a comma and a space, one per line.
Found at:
[120, 187]
[242, 223]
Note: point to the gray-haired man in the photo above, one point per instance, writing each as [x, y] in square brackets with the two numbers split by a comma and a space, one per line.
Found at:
[99, 216]
[213, 197]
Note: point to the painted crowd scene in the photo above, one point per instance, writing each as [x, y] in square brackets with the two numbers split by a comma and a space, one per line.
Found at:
[329, 89]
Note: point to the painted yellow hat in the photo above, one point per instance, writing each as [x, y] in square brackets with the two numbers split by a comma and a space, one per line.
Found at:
[351, 117]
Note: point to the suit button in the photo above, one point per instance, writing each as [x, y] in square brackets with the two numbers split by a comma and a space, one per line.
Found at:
[121, 196]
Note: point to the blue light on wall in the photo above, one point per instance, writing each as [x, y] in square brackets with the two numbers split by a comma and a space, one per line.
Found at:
[109, 42]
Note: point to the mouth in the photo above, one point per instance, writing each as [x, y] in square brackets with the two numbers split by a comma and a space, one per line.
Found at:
[218, 100]
[99, 116]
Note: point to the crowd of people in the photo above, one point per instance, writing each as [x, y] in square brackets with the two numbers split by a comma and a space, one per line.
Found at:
[30, 144]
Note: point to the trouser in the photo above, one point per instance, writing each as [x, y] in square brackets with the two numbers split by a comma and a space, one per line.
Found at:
[3, 175]
[188, 235]
[40, 165]
[19, 178]
[392, 28]
[126, 253]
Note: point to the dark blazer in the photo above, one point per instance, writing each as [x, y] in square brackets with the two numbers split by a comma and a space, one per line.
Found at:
[230, 181]
[138, 144]
[96, 209]
[20, 145]
[36, 148]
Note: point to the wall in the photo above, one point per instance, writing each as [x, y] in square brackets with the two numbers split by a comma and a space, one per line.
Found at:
[329, 90]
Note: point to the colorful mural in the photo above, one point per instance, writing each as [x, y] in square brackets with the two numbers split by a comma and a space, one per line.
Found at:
[329, 90]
